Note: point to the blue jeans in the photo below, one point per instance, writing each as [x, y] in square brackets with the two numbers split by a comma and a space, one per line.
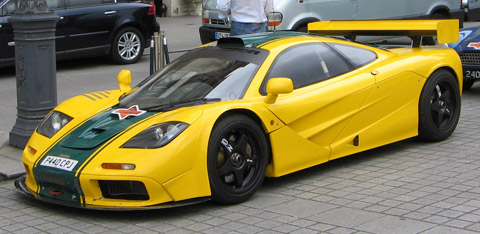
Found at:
[238, 28]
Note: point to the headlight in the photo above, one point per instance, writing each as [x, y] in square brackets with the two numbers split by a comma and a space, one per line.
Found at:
[53, 123]
[156, 136]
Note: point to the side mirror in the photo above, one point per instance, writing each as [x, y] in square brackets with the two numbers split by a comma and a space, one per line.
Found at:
[276, 86]
[124, 78]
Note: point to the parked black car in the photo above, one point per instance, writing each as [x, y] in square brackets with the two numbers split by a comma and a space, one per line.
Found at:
[118, 28]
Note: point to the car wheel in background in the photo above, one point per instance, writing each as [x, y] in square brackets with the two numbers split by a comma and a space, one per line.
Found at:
[439, 107]
[237, 159]
[128, 45]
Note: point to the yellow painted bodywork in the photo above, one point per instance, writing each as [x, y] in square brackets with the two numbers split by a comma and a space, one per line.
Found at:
[374, 105]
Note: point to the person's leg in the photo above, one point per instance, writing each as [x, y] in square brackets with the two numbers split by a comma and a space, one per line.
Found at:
[158, 7]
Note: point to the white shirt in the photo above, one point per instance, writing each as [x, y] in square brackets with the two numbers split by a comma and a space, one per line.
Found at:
[245, 11]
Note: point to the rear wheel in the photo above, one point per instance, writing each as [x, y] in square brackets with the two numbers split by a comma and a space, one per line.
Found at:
[439, 15]
[237, 159]
[439, 107]
[128, 45]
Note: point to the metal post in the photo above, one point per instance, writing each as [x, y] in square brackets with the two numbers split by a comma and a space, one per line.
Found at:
[165, 50]
[162, 52]
[35, 63]
[157, 48]
[152, 56]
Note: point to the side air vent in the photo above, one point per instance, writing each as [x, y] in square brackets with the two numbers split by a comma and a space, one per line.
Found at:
[97, 95]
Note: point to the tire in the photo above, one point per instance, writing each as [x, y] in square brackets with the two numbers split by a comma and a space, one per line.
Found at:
[439, 107]
[127, 46]
[237, 159]
[302, 28]
[439, 15]
[467, 84]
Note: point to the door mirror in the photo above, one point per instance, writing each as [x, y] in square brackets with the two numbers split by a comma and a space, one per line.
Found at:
[276, 86]
[124, 79]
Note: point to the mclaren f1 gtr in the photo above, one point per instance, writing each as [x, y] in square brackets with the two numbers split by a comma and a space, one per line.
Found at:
[218, 120]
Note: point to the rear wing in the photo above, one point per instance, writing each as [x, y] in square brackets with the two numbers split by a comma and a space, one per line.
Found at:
[446, 31]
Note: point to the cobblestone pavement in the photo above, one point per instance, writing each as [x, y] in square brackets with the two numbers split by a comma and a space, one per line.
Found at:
[407, 187]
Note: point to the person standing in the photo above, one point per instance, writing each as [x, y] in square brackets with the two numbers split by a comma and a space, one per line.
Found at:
[247, 16]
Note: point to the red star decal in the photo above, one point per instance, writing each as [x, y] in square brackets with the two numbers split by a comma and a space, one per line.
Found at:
[475, 45]
[124, 113]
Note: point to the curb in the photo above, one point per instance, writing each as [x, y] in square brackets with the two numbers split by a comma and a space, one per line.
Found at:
[11, 166]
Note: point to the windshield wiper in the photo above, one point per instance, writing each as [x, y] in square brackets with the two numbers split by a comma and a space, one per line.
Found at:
[173, 105]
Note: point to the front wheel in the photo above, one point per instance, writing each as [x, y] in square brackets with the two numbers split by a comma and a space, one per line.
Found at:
[237, 159]
[128, 45]
[439, 107]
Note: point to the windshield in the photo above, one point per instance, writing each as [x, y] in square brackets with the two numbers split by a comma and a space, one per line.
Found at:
[207, 74]
[210, 4]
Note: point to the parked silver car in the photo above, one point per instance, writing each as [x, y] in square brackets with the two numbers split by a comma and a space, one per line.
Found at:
[296, 14]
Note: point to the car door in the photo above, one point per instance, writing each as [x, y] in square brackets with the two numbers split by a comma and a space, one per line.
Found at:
[89, 24]
[7, 42]
[328, 93]
[473, 10]
[3, 41]
[331, 9]
[381, 9]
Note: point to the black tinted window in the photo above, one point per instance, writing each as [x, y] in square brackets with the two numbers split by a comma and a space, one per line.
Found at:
[81, 3]
[9, 8]
[307, 64]
[357, 56]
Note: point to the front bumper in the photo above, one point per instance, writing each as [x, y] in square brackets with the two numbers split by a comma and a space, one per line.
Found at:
[23, 189]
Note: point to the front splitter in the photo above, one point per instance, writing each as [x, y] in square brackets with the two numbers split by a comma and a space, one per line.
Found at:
[23, 189]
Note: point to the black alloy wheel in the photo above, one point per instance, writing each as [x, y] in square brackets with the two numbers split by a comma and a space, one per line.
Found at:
[237, 159]
[439, 107]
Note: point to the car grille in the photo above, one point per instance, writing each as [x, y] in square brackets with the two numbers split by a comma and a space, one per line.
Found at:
[470, 57]
[218, 21]
[128, 190]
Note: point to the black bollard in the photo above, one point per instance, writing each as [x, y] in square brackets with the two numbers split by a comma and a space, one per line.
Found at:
[35, 62]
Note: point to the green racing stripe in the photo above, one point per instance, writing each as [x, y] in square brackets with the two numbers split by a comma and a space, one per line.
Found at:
[55, 171]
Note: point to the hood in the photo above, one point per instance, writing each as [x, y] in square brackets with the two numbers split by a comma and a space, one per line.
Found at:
[102, 127]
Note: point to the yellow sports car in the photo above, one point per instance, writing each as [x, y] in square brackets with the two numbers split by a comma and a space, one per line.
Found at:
[217, 120]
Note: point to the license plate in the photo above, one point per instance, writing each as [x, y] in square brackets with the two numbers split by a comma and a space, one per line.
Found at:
[219, 35]
[472, 74]
[59, 163]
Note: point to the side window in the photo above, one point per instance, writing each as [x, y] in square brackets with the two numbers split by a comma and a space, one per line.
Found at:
[357, 56]
[81, 3]
[55, 4]
[9, 8]
[307, 64]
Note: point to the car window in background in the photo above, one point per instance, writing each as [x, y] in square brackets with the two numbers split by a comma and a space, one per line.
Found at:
[323, 64]
[210, 4]
[358, 56]
[9, 7]
[55, 4]
[89, 2]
